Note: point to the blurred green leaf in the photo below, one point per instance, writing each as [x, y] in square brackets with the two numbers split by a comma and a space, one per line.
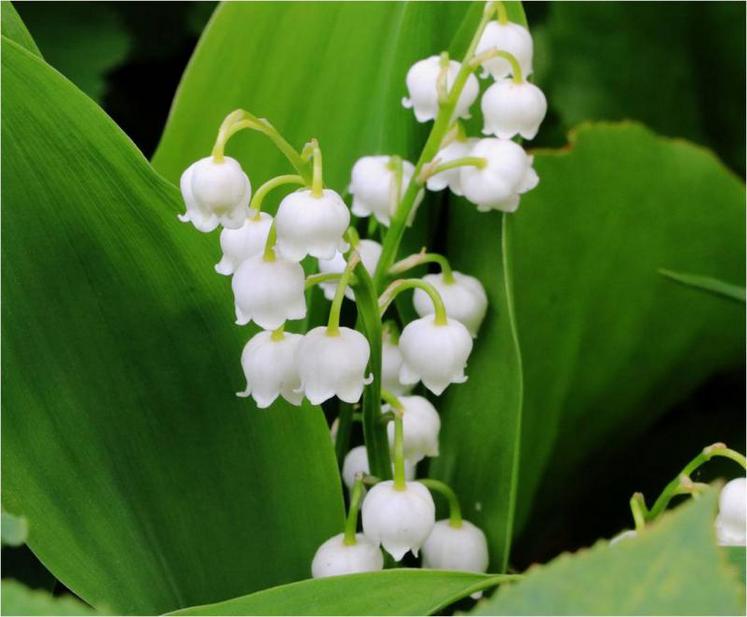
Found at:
[13, 28]
[15, 529]
[707, 283]
[17, 599]
[736, 556]
[148, 485]
[671, 568]
[389, 592]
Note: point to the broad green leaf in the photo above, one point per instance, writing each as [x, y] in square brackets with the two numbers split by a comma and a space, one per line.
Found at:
[736, 556]
[17, 599]
[707, 283]
[672, 568]
[13, 28]
[389, 592]
[148, 485]
[15, 529]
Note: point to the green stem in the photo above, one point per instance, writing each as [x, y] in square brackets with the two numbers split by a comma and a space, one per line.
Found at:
[502, 13]
[272, 236]
[442, 86]
[401, 285]
[317, 183]
[466, 161]
[419, 259]
[390, 398]
[262, 191]
[351, 523]
[315, 279]
[455, 512]
[638, 508]
[518, 76]
[342, 440]
[333, 323]
[277, 334]
[400, 481]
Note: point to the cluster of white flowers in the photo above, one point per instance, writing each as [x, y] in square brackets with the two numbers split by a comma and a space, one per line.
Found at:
[263, 255]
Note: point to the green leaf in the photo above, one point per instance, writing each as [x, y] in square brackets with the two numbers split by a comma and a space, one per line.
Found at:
[736, 556]
[20, 600]
[389, 592]
[148, 485]
[707, 283]
[672, 568]
[13, 28]
[15, 529]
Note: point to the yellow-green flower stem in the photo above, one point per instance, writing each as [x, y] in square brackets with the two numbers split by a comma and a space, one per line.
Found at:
[351, 523]
[455, 512]
[499, 53]
[325, 277]
[352, 237]
[241, 119]
[333, 324]
[272, 236]
[465, 161]
[391, 399]
[442, 84]
[278, 334]
[391, 331]
[502, 13]
[395, 190]
[441, 126]
[638, 508]
[401, 285]
[317, 182]
[400, 481]
[421, 258]
[262, 191]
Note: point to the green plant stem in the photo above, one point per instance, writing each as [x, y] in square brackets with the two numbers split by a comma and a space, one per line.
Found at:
[518, 76]
[272, 236]
[502, 13]
[638, 508]
[419, 259]
[325, 277]
[317, 183]
[401, 285]
[351, 523]
[344, 426]
[455, 511]
[262, 191]
[400, 481]
[333, 324]
[278, 334]
[465, 161]
[390, 398]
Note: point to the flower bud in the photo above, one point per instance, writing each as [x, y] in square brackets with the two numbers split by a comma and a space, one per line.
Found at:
[356, 461]
[400, 520]
[309, 225]
[421, 425]
[215, 193]
[334, 557]
[269, 292]
[510, 37]
[434, 353]
[391, 363]
[507, 175]
[270, 368]
[240, 244]
[372, 186]
[464, 298]
[333, 364]
[510, 109]
[730, 522]
[369, 252]
[463, 548]
[626, 534]
[450, 178]
[422, 79]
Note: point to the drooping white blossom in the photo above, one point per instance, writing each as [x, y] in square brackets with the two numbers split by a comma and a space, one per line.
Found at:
[215, 193]
[433, 353]
[240, 244]
[391, 363]
[732, 510]
[373, 186]
[457, 149]
[269, 292]
[511, 109]
[422, 79]
[310, 225]
[334, 557]
[369, 252]
[464, 298]
[401, 520]
[462, 548]
[510, 37]
[333, 364]
[421, 425]
[356, 461]
[507, 174]
[269, 363]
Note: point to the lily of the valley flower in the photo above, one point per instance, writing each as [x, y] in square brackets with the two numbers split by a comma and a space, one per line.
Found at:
[434, 353]
[457, 149]
[450, 547]
[333, 364]
[356, 461]
[269, 292]
[240, 244]
[509, 37]
[373, 186]
[513, 109]
[421, 424]
[335, 557]
[507, 174]
[732, 507]
[215, 193]
[269, 365]
[311, 225]
[401, 520]
[422, 80]
[369, 251]
[464, 298]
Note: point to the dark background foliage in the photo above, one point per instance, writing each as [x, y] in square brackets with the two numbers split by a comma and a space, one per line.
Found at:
[677, 67]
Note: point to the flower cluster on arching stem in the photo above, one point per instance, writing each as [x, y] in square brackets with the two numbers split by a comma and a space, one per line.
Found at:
[314, 226]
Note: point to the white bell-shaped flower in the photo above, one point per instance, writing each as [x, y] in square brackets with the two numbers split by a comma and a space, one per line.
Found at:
[391, 363]
[732, 507]
[269, 292]
[422, 79]
[215, 193]
[368, 250]
[333, 364]
[421, 425]
[334, 557]
[510, 37]
[462, 548]
[457, 149]
[309, 225]
[508, 174]
[400, 520]
[269, 363]
[464, 298]
[372, 186]
[513, 109]
[240, 244]
[433, 353]
[356, 461]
